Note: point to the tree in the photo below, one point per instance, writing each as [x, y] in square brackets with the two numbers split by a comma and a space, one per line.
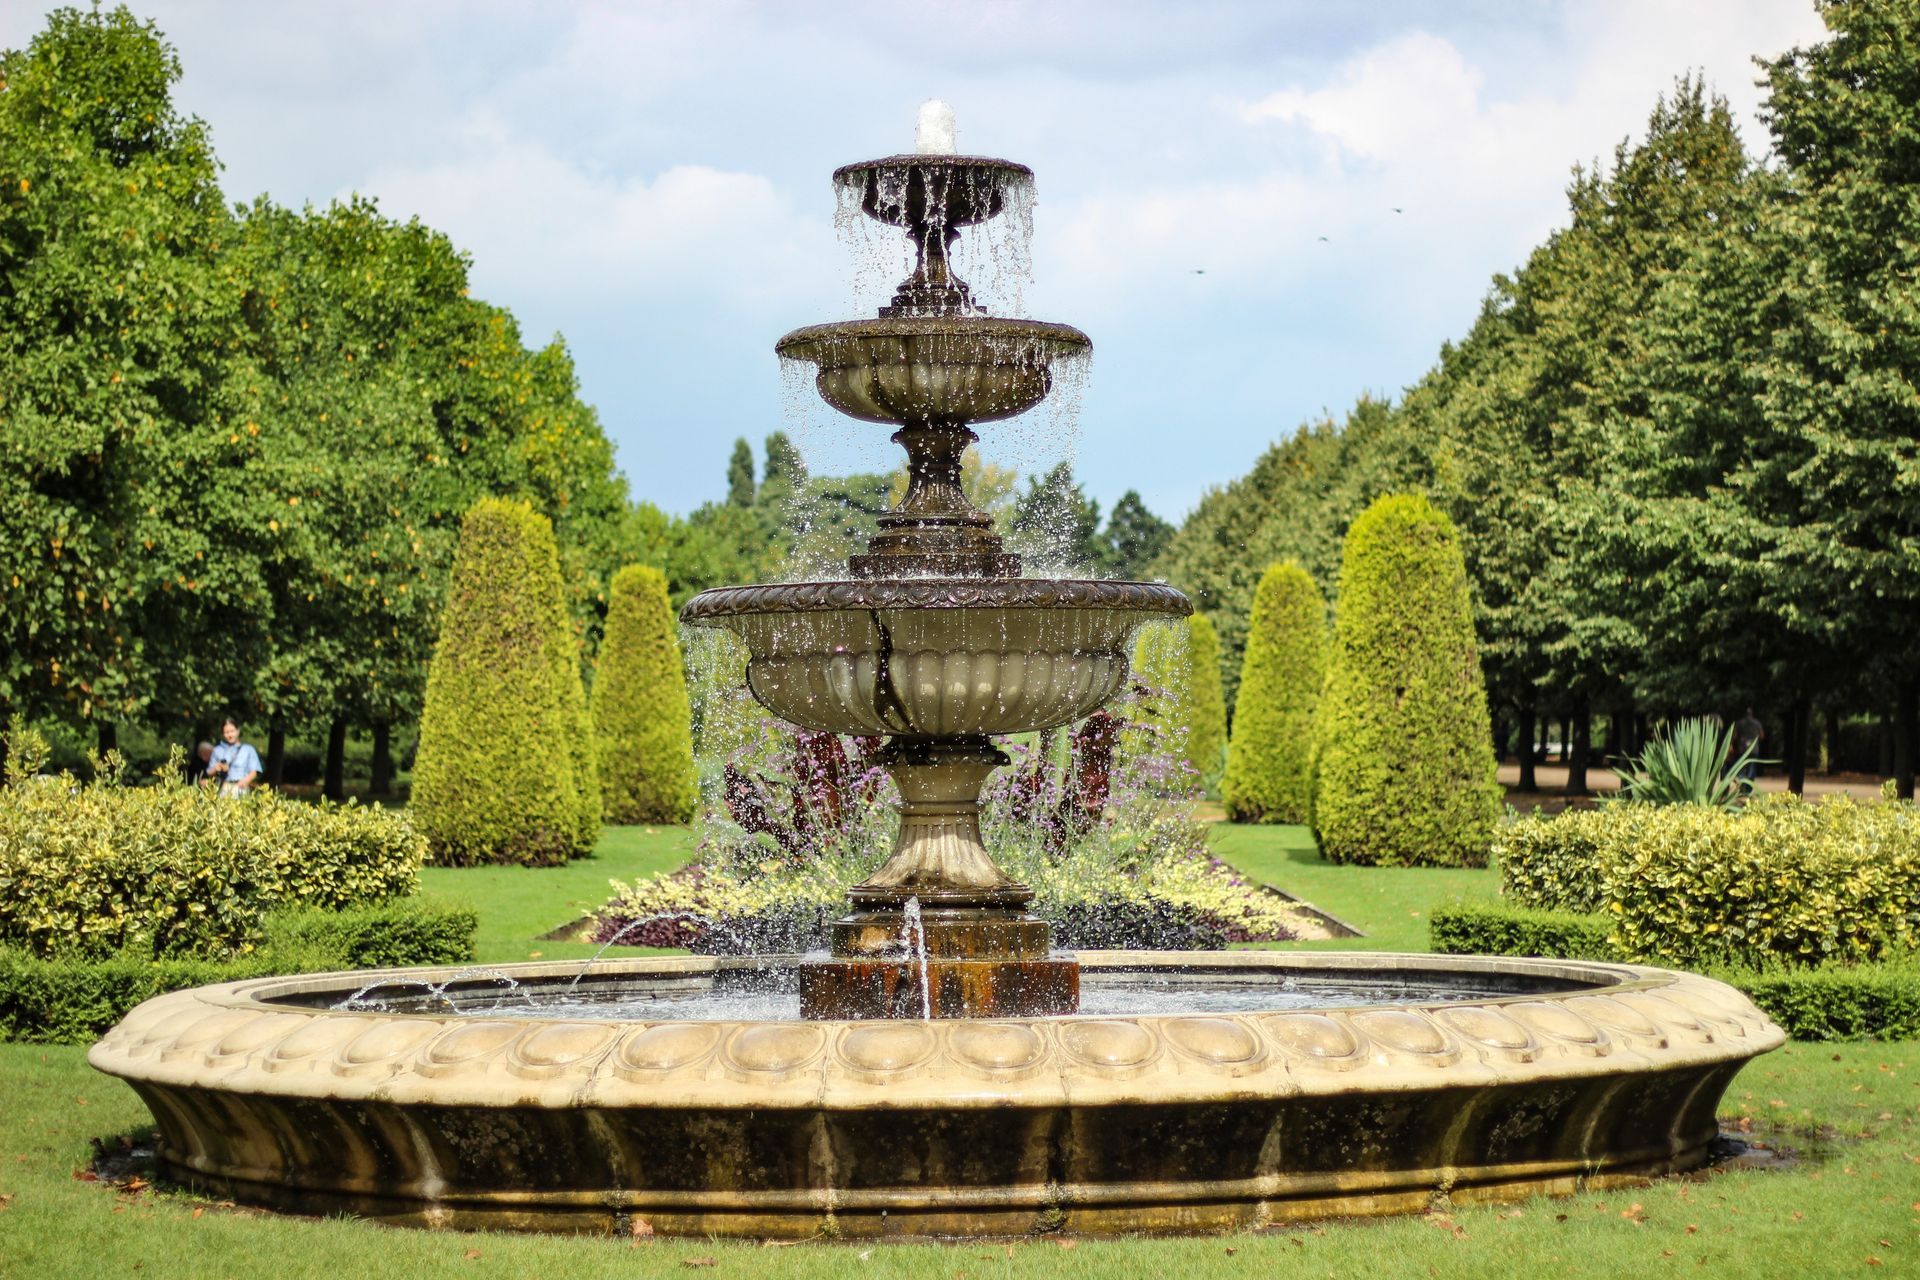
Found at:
[1134, 537]
[1295, 504]
[1269, 774]
[1179, 664]
[642, 726]
[127, 499]
[1055, 525]
[505, 771]
[740, 474]
[1403, 746]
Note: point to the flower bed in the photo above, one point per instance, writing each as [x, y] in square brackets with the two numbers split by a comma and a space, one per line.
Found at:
[1101, 824]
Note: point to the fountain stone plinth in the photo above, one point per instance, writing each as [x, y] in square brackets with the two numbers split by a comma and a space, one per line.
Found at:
[935, 639]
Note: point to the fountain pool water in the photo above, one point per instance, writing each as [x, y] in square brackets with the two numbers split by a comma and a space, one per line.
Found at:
[940, 1070]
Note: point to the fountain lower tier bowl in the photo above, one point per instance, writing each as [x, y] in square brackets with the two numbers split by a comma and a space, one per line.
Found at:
[952, 369]
[936, 657]
[1200, 1091]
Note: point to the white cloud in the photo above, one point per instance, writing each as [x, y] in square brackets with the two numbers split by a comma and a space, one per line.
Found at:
[542, 225]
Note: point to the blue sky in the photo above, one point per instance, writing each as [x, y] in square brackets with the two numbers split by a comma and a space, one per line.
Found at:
[651, 181]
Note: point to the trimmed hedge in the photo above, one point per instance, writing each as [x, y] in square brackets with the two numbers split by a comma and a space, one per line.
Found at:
[1497, 929]
[1182, 662]
[505, 767]
[73, 999]
[642, 723]
[1778, 882]
[177, 871]
[1403, 745]
[1831, 1002]
[1270, 757]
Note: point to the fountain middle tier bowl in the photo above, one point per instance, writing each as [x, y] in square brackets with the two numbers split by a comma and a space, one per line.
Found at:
[940, 369]
[936, 657]
[1215, 1090]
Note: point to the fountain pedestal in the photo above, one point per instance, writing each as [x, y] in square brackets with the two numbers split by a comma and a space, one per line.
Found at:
[939, 930]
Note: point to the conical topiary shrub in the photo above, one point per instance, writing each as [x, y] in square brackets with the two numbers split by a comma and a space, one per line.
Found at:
[504, 771]
[1181, 663]
[1270, 757]
[642, 724]
[1403, 747]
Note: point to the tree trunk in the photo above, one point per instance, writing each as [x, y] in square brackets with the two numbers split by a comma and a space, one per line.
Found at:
[1906, 725]
[1566, 740]
[1797, 717]
[1832, 762]
[335, 785]
[1527, 752]
[276, 751]
[1579, 745]
[109, 737]
[382, 783]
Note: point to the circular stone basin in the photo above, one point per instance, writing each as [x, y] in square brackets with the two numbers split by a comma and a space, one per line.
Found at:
[936, 656]
[949, 369]
[1238, 1088]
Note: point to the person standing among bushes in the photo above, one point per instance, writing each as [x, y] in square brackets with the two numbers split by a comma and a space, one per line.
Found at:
[234, 765]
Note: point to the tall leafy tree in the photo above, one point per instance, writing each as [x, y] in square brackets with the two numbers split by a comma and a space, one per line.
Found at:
[1055, 525]
[1269, 774]
[124, 499]
[1134, 537]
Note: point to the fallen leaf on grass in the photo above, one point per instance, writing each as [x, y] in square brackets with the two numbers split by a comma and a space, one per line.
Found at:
[1872, 1261]
[1446, 1224]
[1068, 1244]
[85, 1175]
[700, 1262]
[640, 1228]
[471, 1254]
[198, 1210]
[1231, 1252]
[1634, 1214]
[1692, 1228]
[134, 1186]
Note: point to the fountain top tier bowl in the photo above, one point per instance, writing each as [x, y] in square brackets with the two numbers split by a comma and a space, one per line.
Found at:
[922, 191]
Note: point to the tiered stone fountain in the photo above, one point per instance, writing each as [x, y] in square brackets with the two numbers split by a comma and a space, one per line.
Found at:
[934, 1079]
[935, 639]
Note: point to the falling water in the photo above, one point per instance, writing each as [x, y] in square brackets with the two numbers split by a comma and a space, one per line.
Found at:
[913, 933]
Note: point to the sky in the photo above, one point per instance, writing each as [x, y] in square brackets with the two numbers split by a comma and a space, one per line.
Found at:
[1259, 210]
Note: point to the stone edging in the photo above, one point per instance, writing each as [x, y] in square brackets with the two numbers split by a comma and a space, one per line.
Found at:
[228, 1038]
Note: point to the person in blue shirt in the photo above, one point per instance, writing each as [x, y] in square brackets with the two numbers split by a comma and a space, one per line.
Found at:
[234, 765]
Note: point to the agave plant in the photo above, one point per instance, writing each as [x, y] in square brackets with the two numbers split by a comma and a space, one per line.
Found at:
[1692, 762]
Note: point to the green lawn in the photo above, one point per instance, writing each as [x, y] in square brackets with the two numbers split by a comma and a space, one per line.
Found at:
[1852, 1206]
[518, 904]
[1388, 904]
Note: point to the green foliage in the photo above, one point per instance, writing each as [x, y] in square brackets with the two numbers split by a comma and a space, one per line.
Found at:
[641, 721]
[1295, 504]
[173, 871]
[1691, 762]
[1134, 538]
[1827, 1002]
[1838, 1002]
[505, 769]
[1180, 664]
[386, 935]
[1501, 929]
[1402, 742]
[1055, 525]
[1779, 881]
[740, 474]
[118, 491]
[1269, 774]
[75, 999]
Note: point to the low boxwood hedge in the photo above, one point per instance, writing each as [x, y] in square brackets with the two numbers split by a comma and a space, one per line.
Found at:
[172, 871]
[1780, 881]
[1829, 1002]
[71, 998]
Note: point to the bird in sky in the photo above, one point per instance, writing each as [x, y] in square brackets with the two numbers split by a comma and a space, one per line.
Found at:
[1323, 239]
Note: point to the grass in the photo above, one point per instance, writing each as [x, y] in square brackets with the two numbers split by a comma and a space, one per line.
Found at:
[1852, 1206]
[1388, 904]
[518, 904]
